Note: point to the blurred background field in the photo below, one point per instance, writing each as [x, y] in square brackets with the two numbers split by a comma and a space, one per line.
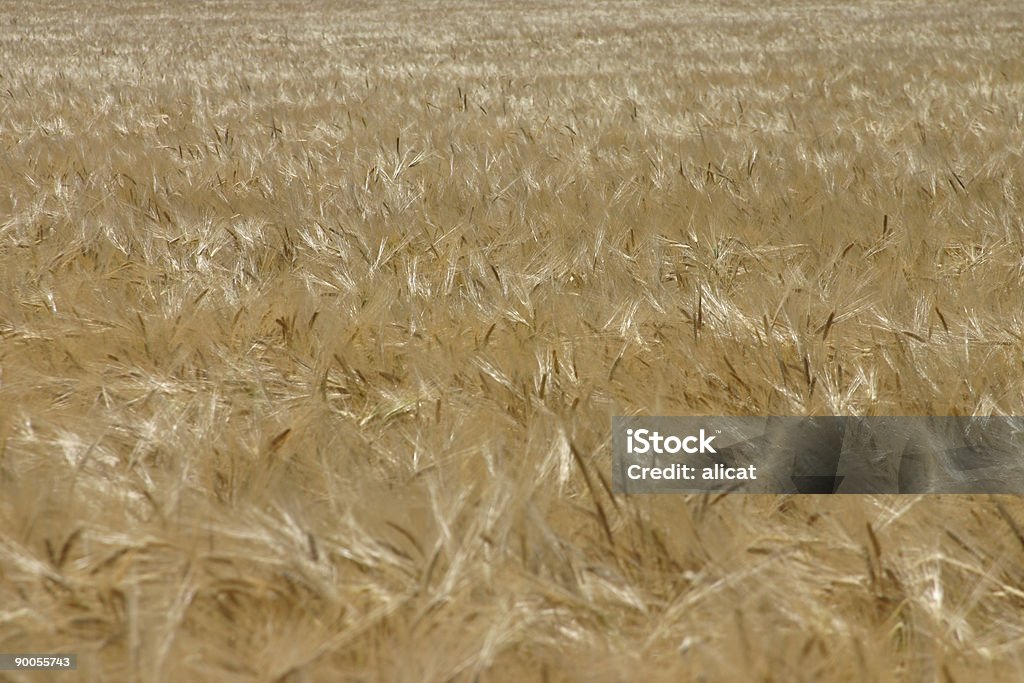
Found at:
[313, 318]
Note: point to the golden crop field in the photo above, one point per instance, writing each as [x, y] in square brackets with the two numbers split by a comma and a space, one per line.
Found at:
[314, 316]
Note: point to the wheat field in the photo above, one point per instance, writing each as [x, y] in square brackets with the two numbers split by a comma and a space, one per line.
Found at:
[314, 316]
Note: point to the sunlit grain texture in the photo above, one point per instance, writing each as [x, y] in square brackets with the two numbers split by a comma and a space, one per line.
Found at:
[313, 317]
